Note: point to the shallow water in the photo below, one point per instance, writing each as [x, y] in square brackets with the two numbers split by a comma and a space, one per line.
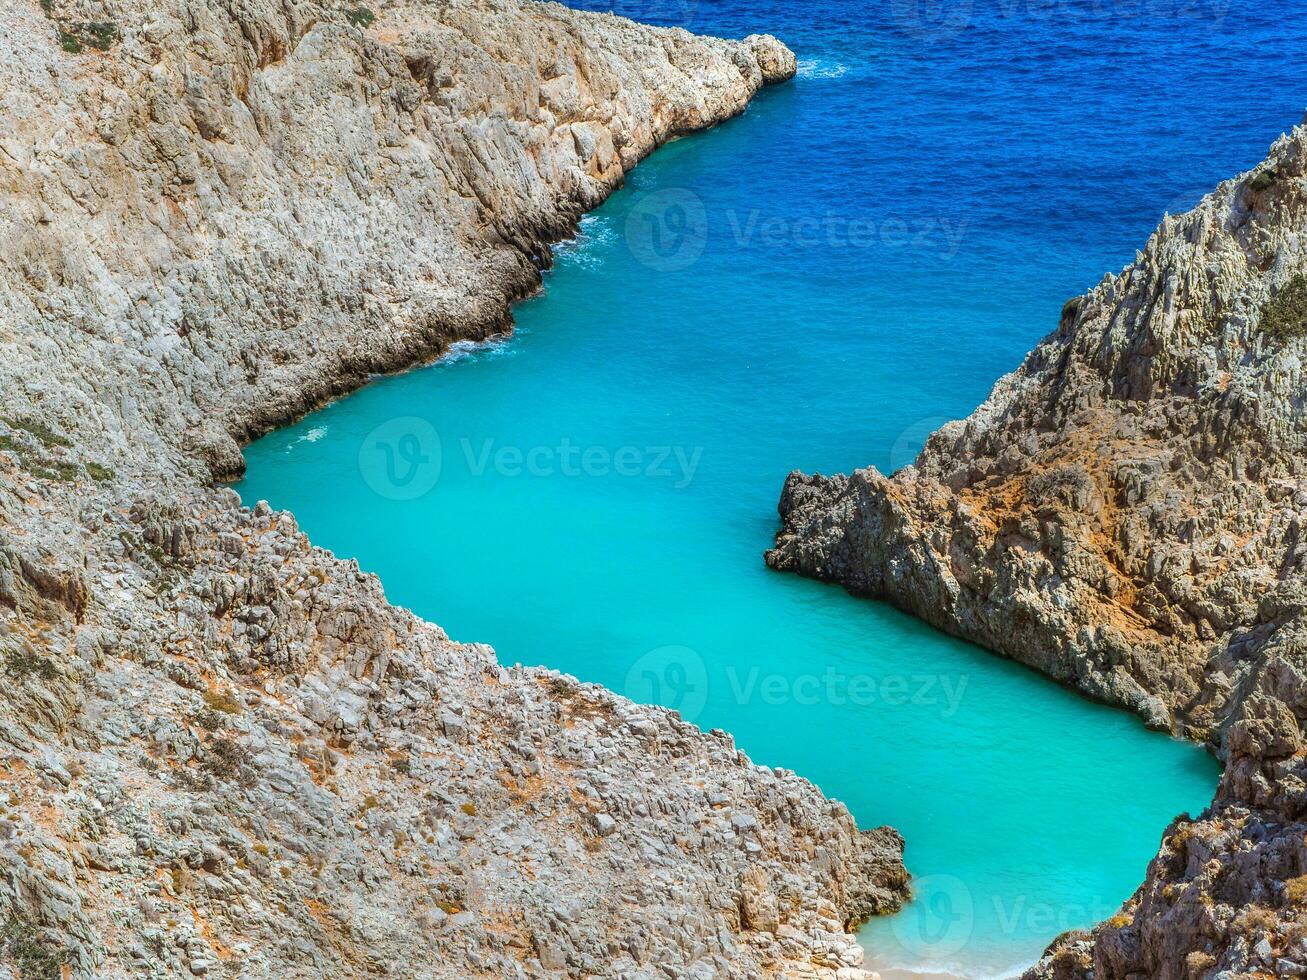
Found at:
[818, 284]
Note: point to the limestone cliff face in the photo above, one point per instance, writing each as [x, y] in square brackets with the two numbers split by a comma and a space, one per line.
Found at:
[1125, 513]
[222, 752]
[241, 208]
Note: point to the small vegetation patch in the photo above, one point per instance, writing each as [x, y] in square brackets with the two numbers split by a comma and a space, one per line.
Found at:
[360, 17]
[221, 701]
[103, 474]
[22, 664]
[210, 720]
[32, 458]
[43, 433]
[99, 34]
[1295, 890]
[35, 959]
[75, 37]
[1070, 308]
[227, 760]
[61, 472]
[1264, 181]
[1284, 317]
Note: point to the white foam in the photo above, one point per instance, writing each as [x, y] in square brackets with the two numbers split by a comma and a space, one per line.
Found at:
[462, 349]
[313, 435]
[821, 68]
[586, 248]
[946, 971]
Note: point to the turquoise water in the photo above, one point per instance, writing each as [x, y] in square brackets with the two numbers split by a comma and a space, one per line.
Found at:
[817, 284]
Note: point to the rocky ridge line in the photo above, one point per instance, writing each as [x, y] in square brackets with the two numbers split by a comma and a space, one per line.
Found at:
[1125, 513]
[222, 752]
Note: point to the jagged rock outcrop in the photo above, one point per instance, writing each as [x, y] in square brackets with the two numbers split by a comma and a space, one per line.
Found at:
[1125, 514]
[222, 753]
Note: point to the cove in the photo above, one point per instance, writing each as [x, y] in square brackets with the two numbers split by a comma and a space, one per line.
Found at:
[817, 284]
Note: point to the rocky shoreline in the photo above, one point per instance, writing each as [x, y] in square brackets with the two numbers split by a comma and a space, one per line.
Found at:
[1125, 514]
[223, 753]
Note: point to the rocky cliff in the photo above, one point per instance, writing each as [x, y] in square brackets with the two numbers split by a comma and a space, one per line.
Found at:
[222, 752]
[1126, 514]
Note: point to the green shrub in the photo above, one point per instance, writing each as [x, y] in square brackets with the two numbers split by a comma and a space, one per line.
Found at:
[225, 759]
[20, 664]
[101, 473]
[210, 720]
[1263, 181]
[99, 34]
[360, 17]
[48, 437]
[1071, 307]
[63, 472]
[1284, 317]
[21, 945]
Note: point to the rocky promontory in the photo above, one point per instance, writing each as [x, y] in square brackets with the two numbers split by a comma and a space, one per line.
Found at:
[1126, 514]
[222, 752]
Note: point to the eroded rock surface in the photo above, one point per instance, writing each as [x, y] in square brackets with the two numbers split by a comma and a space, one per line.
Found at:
[222, 753]
[1126, 514]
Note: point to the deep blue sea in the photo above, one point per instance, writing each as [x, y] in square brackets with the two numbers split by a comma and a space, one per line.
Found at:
[819, 284]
